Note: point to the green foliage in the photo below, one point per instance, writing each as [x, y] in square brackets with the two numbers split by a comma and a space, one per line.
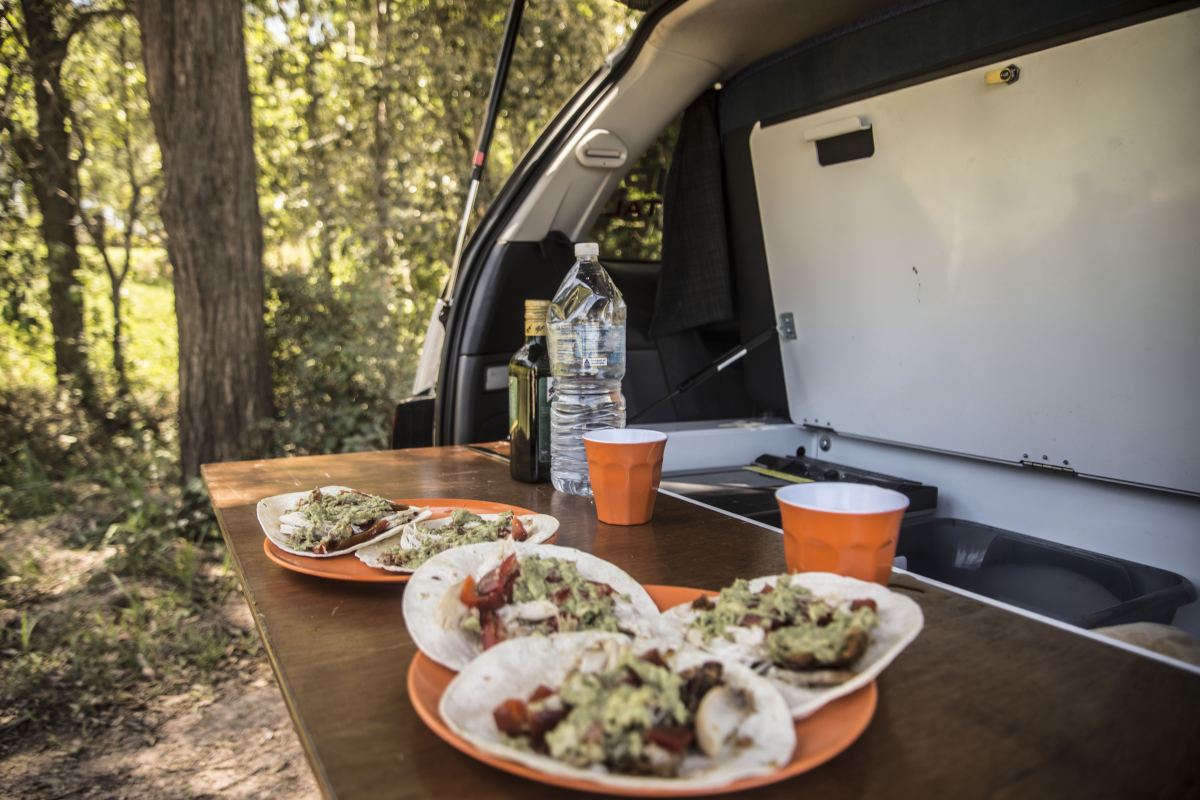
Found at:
[365, 118]
[114, 127]
[365, 122]
[630, 227]
[115, 642]
[337, 362]
[144, 617]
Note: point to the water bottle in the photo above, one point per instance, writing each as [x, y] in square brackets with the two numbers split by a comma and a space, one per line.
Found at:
[586, 338]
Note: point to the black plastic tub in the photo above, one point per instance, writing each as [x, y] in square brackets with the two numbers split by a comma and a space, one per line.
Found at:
[1076, 586]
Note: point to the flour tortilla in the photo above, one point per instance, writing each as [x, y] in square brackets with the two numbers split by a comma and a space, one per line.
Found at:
[900, 620]
[516, 667]
[273, 517]
[432, 610]
[538, 528]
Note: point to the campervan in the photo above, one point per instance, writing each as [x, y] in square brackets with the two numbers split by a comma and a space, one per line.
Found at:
[972, 231]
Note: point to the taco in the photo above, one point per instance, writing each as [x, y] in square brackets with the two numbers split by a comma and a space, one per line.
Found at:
[598, 707]
[466, 600]
[332, 520]
[815, 635]
[420, 541]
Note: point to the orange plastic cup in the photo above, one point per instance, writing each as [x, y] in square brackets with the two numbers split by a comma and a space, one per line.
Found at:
[846, 528]
[625, 467]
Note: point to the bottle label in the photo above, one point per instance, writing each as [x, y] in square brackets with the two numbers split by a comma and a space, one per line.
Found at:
[584, 348]
[543, 420]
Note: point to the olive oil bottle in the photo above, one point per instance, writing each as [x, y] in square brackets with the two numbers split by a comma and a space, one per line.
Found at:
[528, 403]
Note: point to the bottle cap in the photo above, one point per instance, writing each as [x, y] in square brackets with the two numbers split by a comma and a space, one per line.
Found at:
[587, 250]
[535, 317]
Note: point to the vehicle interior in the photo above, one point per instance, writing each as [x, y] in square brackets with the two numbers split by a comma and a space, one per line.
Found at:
[973, 226]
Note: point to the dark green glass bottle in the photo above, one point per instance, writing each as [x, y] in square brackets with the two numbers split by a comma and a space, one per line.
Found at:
[528, 403]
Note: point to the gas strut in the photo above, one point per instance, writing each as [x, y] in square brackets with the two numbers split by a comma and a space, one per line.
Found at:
[732, 357]
[511, 27]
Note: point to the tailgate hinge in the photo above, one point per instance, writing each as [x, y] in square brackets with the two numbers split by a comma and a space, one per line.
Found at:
[1048, 467]
[787, 326]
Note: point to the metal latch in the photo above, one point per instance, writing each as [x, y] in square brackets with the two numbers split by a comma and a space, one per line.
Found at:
[1010, 74]
[787, 326]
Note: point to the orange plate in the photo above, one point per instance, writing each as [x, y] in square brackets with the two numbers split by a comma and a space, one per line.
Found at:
[349, 568]
[818, 738]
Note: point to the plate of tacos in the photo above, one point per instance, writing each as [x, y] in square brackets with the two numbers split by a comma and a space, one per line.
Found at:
[344, 565]
[601, 711]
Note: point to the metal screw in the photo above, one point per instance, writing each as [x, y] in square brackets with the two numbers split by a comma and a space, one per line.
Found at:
[1045, 457]
[825, 443]
[1066, 463]
[1024, 455]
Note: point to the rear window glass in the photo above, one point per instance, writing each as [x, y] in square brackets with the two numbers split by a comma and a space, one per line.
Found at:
[630, 226]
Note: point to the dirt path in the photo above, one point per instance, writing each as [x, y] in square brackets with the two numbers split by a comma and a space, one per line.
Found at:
[234, 740]
[226, 735]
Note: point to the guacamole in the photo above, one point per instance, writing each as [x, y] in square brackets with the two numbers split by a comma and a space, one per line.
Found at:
[536, 595]
[620, 709]
[637, 716]
[800, 631]
[334, 518]
[582, 604]
[464, 528]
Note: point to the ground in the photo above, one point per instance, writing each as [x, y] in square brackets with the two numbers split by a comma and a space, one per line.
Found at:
[219, 732]
[231, 740]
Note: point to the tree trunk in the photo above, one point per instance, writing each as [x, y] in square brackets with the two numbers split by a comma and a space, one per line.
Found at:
[117, 279]
[318, 156]
[56, 187]
[200, 104]
[118, 334]
[381, 27]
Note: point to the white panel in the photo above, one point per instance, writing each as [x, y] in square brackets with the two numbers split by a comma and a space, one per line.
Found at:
[1017, 268]
[706, 445]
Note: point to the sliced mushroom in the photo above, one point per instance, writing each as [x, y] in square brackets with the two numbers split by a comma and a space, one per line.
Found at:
[451, 610]
[599, 656]
[294, 519]
[533, 611]
[718, 718]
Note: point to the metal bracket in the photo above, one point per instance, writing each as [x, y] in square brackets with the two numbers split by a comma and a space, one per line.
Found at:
[787, 326]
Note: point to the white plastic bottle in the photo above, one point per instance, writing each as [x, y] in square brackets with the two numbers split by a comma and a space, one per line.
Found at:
[586, 339]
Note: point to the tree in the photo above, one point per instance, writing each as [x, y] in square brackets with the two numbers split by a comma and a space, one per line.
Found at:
[116, 141]
[366, 117]
[44, 35]
[196, 77]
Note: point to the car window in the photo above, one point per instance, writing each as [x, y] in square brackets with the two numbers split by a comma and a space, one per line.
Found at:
[630, 226]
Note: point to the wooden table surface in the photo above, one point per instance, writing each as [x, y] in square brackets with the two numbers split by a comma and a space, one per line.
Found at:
[985, 703]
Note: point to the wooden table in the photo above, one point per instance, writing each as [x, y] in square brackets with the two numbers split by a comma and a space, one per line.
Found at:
[985, 703]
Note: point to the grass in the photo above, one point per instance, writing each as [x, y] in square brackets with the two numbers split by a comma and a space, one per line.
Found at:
[71, 659]
[105, 606]
[112, 579]
[151, 349]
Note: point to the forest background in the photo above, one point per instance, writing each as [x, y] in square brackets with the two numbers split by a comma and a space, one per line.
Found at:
[364, 115]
